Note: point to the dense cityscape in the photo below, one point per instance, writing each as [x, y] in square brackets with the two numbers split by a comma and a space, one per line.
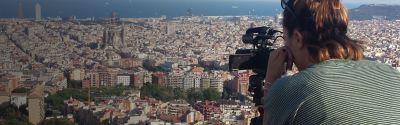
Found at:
[130, 71]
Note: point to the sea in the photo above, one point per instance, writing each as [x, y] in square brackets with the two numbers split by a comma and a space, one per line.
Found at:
[142, 8]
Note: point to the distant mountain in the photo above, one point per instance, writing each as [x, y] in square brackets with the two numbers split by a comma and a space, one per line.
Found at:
[366, 12]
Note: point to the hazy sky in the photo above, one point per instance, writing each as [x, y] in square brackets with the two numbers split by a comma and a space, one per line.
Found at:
[345, 1]
[373, 1]
[350, 1]
[127, 8]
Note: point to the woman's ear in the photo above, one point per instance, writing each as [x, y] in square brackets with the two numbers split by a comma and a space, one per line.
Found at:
[298, 39]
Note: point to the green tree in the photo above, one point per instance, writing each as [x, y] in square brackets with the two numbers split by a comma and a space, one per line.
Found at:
[12, 116]
[230, 94]
[21, 90]
[57, 100]
[56, 121]
[161, 93]
[74, 84]
[145, 90]
[179, 94]
[211, 94]
[167, 94]
[194, 95]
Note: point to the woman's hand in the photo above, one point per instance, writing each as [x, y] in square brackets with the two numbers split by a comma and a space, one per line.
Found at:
[276, 63]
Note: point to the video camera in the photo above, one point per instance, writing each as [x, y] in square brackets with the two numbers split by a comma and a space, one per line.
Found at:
[256, 59]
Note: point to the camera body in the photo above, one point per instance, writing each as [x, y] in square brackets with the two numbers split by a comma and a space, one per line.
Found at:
[255, 59]
[246, 59]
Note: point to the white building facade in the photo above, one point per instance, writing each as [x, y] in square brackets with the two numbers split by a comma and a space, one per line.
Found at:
[124, 80]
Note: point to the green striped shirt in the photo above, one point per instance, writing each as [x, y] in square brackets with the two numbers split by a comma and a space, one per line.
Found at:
[336, 92]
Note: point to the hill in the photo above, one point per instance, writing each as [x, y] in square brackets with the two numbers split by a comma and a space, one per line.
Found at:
[367, 12]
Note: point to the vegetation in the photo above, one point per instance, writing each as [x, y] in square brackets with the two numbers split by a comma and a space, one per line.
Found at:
[74, 84]
[230, 94]
[146, 65]
[202, 94]
[21, 90]
[167, 94]
[211, 94]
[160, 92]
[110, 91]
[56, 121]
[56, 101]
[12, 116]
[368, 12]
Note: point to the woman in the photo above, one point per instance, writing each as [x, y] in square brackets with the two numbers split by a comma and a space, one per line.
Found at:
[335, 85]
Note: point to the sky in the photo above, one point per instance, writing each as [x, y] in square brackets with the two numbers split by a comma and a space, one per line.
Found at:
[126, 8]
[344, 1]
[373, 1]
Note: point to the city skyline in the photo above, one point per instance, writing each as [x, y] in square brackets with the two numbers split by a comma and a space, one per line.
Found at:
[156, 70]
[151, 8]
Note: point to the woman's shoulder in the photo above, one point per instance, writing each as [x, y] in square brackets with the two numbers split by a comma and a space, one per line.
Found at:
[327, 70]
[331, 70]
[339, 65]
[299, 80]
[334, 71]
[345, 62]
